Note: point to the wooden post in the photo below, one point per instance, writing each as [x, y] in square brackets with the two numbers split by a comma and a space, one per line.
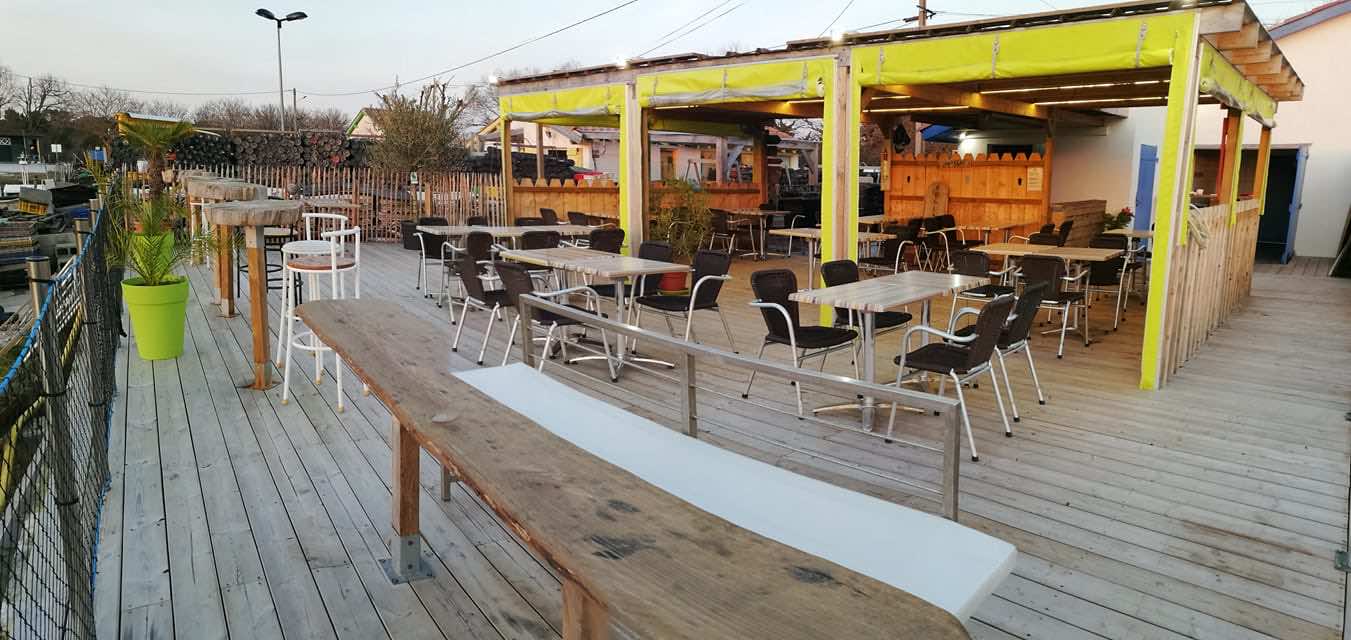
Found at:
[1230, 148]
[539, 152]
[225, 267]
[1046, 176]
[1259, 182]
[405, 563]
[722, 160]
[507, 182]
[255, 246]
[760, 164]
[638, 231]
[584, 618]
[631, 178]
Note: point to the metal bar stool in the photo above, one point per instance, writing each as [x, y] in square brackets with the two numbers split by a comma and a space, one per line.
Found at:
[337, 264]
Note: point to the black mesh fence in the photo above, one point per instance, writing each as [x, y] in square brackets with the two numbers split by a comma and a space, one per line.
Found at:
[55, 400]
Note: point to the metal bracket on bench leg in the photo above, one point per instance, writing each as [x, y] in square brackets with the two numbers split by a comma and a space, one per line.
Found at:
[447, 478]
[405, 563]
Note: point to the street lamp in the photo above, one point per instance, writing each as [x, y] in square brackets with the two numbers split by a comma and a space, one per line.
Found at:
[281, 86]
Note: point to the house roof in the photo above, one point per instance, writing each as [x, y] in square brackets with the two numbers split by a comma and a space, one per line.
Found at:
[374, 113]
[1310, 18]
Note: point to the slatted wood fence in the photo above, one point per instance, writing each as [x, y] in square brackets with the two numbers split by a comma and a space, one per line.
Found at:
[994, 189]
[1209, 278]
[388, 198]
[601, 197]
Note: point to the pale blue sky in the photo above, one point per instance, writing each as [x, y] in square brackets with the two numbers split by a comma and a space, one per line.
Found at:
[345, 45]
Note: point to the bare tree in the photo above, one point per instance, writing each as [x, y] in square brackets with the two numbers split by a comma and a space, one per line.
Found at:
[323, 119]
[37, 98]
[423, 132]
[8, 88]
[104, 102]
[481, 99]
[225, 113]
[165, 108]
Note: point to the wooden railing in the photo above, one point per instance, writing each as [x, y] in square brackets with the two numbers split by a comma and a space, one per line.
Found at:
[1209, 278]
[388, 197]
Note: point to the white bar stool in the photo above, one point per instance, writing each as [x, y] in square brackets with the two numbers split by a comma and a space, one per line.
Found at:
[336, 264]
[312, 245]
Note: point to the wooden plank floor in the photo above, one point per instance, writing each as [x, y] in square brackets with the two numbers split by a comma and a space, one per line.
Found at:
[1210, 509]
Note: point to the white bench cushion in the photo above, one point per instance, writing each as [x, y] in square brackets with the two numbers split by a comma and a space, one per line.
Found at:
[940, 561]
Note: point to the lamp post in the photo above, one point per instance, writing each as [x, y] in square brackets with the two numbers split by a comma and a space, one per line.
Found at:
[281, 85]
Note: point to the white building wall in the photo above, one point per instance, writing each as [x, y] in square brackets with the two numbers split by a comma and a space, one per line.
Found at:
[1316, 121]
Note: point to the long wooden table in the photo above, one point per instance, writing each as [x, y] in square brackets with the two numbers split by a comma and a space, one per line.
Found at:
[1069, 254]
[632, 552]
[874, 295]
[512, 232]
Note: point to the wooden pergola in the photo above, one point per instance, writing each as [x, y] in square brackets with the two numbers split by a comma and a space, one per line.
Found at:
[1050, 70]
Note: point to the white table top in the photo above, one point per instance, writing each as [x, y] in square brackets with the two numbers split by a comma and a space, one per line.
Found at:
[505, 231]
[879, 294]
[592, 262]
[875, 219]
[942, 562]
[814, 233]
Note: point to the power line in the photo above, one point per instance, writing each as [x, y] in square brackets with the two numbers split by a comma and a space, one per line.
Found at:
[692, 29]
[153, 92]
[837, 18]
[486, 57]
[693, 20]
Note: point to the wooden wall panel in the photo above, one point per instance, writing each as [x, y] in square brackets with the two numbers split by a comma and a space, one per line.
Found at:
[991, 189]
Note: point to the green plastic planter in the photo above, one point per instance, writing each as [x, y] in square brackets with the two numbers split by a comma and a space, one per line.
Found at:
[157, 317]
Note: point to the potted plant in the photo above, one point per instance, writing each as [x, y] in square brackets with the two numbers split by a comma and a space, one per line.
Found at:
[680, 217]
[1119, 220]
[154, 139]
[157, 297]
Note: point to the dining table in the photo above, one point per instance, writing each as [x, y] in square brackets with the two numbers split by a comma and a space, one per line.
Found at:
[253, 217]
[760, 219]
[504, 232]
[609, 266]
[812, 235]
[868, 297]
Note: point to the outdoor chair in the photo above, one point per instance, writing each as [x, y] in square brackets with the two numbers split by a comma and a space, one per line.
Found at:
[578, 218]
[477, 245]
[607, 239]
[955, 235]
[529, 222]
[935, 245]
[772, 288]
[720, 224]
[710, 271]
[891, 259]
[476, 221]
[648, 284]
[1051, 271]
[975, 263]
[542, 239]
[838, 272]
[1048, 239]
[1114, 276]
[961, 358]
[792, 220]
[430, 248]
[1047, 228]
[517, 281]
[343, 258]
[1064, 231]
[471, 273]
[1015, 337]
[549, 216]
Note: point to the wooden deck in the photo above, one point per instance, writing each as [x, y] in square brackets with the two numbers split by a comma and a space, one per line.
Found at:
[1208, 510]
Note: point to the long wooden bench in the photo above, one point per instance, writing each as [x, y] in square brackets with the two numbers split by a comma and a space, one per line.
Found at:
[633, 552]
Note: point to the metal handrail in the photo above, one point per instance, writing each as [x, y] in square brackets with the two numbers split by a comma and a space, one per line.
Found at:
[692, 351]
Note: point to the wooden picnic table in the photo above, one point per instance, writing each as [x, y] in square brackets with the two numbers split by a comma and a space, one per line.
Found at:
[813, 237]
[253, 216]
[741, 549]
[874, 295]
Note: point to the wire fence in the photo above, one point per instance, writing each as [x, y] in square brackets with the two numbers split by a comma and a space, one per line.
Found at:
[55, 402]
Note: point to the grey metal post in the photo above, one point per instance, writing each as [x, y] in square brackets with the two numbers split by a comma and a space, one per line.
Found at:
[281, 84]
[688, 412]
[67, 498]
[527, 344]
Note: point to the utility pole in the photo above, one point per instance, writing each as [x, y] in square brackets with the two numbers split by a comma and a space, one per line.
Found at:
[923, 18]
[295, 111]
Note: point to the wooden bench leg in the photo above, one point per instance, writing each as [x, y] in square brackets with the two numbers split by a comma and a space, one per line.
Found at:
[447, 478]
[584, 618]
[405, 548]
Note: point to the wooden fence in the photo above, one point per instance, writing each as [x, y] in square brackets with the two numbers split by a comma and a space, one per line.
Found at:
[388, 198]
[602, 197]
[994, 189]
[1209, 278]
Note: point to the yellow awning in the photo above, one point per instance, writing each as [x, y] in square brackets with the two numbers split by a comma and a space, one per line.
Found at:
[1221, 80]
[786, 80]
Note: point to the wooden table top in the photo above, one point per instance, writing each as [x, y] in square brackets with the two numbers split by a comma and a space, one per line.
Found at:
[253, 213]
[660, 567]
[505, 231]
[814, 233]
[330, 204]
[592, 262]
[1139, 234]
[758, 213]
[1074, 254]
[876, 219]
[887, 292]
[224, 189]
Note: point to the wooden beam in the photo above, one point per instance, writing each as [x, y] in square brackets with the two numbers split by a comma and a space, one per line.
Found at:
[783, 108]
[1259, 182]
[956, 97]
[1222, 19]
[761, 170]
[1230, 149]
[508, 183]
[1245, 38]
[638, 232]
[539, 152]
[1273, 64]
[1260, 53]
[405, 465]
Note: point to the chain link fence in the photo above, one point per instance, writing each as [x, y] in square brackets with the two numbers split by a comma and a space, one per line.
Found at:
[55, 403]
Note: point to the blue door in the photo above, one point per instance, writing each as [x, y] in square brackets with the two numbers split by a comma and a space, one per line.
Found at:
[1296, 201]
[1144, 189]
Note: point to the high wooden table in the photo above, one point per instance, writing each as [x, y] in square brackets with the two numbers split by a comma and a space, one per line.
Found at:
[253, 217]
[761, 220]
[739, 549]
[873, 295]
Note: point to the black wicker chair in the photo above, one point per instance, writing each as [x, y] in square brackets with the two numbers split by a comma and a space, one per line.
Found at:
[1051, 270]
[477, 245]
[975, 263]
[710, 271]
[840, 272]
[517, 281]
[607, 239]
[549, 216]
[960, 358]
[476, 221]
[1014, 338]
[477, 297]
[430, 249]
[529, 222]
[659, 251]
[1064, 231]
[1115, 276]
[578, 218]
[772, 288]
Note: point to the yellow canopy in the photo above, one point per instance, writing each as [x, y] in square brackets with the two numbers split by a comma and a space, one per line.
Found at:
[786, 80]
[1220, 79]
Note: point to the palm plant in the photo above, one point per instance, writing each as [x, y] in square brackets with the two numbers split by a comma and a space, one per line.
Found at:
[154, 139]
[160, 246]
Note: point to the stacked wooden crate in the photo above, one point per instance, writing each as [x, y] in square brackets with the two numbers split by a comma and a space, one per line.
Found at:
[1088, 216]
